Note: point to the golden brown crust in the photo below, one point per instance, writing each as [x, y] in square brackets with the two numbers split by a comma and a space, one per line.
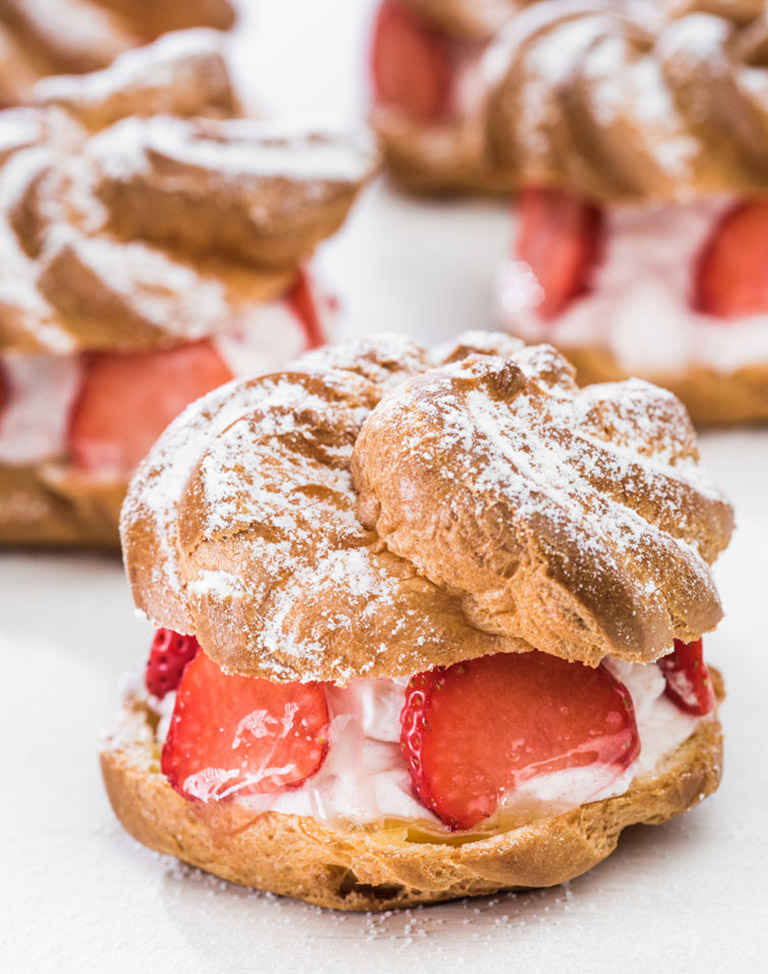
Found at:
[277, 577]
[242, 525]
[151, 19]
[443, 158]
[367, 870]
[44, 37]
[461, 472]
[256, 192]
[712, 398]
[52, 505]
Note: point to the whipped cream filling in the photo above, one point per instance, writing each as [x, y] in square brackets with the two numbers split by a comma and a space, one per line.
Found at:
[639, 308]
[365, 779]
[41, 389]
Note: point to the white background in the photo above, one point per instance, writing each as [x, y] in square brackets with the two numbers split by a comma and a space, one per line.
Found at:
[77, 894]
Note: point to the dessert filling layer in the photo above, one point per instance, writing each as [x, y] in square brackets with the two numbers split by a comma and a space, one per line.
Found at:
[659, 288]
[103, 411]
[494, 742]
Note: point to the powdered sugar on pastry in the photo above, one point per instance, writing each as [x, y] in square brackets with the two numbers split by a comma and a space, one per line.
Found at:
[629, 101]
[524, 456]
[45, 37]
[333, 592]
[183, 72]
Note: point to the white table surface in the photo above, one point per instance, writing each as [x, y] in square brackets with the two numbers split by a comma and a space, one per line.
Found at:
[77, 894]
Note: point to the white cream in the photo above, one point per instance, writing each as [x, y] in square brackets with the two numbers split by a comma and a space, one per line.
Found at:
[264, 338]
[42, 389]
[364, 777]
[639, 308]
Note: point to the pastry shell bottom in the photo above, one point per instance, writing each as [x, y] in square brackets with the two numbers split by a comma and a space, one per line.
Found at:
[55, 506]
[361, 869]
[445, 158]
[712, 398]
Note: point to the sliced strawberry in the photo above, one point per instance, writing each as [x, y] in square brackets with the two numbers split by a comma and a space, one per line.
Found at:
[411, 63]
[561, 240]
[687, 677]
[168, 656]
[303, 301]
[731, 276]
[241, 735]
[126, 401]
[475, 731]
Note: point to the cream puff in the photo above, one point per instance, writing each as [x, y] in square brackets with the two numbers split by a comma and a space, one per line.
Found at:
[154, 246]
[638, 136]
[430, 624]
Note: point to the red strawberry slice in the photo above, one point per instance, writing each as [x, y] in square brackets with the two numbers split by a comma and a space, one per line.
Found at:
[241, 735]
[126, 401]
[168, 656]
[477, 730]
[303, 301]
[561, 240]
[687, 677]
[410, 62]
[731, 277]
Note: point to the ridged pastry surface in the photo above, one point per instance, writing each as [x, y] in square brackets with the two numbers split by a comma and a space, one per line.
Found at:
[377, 510]
[633, 101]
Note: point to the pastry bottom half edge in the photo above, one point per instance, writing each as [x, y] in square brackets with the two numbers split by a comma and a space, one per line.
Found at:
[712, 398]
[439, 159]
[54, 506]
[376, 869]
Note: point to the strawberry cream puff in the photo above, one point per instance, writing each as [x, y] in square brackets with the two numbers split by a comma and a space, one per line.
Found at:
[639, 137]
[42, 37]
[431, 624]
[152, 249]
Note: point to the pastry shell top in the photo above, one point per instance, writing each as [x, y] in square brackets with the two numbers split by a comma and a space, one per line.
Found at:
[137, 213]
[376, 510]
[633, 101]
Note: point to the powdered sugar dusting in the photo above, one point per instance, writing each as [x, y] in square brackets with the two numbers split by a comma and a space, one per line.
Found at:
[250, 493]
[534, 469]
[235, 148]
[629, 100]
[179, 58]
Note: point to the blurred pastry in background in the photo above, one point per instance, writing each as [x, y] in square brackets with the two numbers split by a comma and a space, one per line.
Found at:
[430, 80]
[42, 37]
[153, 247]
[640, 139]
